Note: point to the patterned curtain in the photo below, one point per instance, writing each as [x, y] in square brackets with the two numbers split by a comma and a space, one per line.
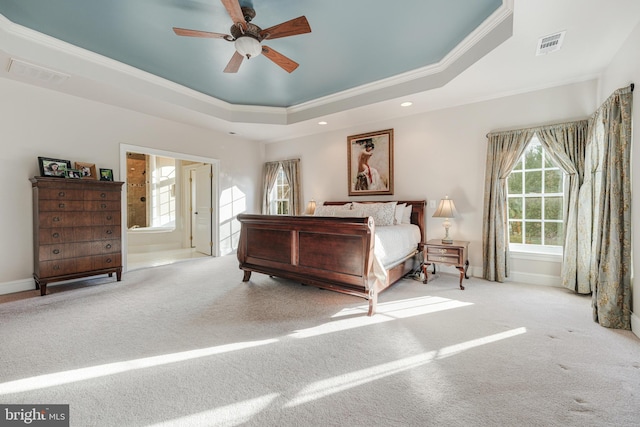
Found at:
[609, 188]
[269, 179]
[292, 172]
[566, 145]
[503, 151]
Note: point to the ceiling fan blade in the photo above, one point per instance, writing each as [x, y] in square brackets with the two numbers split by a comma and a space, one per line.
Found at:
[235, 12]
[234, 64]
[279, 59]
[196, 33]
[293, 27]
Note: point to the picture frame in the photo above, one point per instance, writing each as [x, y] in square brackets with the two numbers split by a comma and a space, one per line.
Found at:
[53, 167]
[106, 174]
[87, 170]
[370, 163]
[73, 174]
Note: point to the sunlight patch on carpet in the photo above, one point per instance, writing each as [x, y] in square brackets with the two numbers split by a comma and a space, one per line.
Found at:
[385, 312]
[229, 415]
[329, 386]
[82, 374]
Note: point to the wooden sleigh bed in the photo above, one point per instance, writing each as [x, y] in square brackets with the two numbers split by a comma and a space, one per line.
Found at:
[334, 253]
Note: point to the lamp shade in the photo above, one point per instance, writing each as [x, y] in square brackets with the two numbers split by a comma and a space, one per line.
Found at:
[446, 209]
[248, 47]
[311, 207]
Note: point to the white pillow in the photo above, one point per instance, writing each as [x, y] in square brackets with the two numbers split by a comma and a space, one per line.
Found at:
[382, 213]
[399, 213]
[406, 217]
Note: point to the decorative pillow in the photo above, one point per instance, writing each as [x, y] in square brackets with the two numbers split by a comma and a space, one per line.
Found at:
[382, 213]
[330, 210]
[399, 213]
[349, 213]
[406, 216]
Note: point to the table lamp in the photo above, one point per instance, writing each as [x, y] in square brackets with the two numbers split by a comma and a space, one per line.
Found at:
[445, 210]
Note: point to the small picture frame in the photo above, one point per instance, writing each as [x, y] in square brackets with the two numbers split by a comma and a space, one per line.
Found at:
[87, 170]
[73, 174]
[53, 167]
[106, 174]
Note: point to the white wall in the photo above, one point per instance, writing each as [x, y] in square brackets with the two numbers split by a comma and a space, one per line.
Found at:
[624, 70]
[39, 122]
[443, 153]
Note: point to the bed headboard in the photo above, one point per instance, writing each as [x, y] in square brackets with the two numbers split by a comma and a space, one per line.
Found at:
[418, 212]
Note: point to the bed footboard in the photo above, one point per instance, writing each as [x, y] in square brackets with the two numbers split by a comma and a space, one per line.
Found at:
[331, 253]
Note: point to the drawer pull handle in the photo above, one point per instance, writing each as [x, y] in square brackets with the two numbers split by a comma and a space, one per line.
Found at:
[56, 267]
[103, 205]
[56, 251]
[103, 195]
[56, 235]
[61, 205]
[108, 260]
[109, 231]
[108, 246]
[443, 251]
[61, 194]
[109, 217]
[56, 219]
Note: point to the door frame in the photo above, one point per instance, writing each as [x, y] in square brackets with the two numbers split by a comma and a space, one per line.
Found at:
[215, 190]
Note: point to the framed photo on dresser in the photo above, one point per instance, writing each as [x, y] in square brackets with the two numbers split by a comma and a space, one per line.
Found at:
[53, 167]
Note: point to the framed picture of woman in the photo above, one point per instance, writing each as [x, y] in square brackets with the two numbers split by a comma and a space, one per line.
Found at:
[53, 167]
[370, 163]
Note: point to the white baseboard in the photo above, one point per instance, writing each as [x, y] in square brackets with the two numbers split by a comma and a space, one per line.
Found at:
[528, 278]
[17, 286]
[635, 324]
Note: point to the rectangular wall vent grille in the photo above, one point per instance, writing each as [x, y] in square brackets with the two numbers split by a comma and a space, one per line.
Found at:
[550, 43]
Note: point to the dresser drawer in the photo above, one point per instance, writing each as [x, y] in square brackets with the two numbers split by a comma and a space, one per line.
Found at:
[57, 251]
[63, 219]
[105, 247]
[60, 194]
[102, 205]
[102, 195]
[48, 205]
[105, 218]
[48, 236]
[57, 267]
[106, 232]
[106, 261]
[443, 251]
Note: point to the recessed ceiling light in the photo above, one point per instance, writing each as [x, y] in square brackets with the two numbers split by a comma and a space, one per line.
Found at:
[406, 104]
[322, 123]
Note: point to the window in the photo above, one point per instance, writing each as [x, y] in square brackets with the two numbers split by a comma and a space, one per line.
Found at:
[163, 212]
[280, 194]
[535, 199]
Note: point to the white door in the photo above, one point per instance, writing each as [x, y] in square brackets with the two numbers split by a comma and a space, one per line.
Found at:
[203, 214]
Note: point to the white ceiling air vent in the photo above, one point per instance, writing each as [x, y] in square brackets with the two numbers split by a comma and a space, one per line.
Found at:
[35, 72]
[550, 43]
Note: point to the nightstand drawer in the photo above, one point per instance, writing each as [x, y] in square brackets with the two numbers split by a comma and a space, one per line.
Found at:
[453, 260]
[444, 251]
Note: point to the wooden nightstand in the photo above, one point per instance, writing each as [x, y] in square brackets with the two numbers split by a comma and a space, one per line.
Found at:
[455, 254]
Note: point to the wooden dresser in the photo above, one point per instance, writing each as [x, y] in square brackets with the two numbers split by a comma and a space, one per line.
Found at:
[76, 229]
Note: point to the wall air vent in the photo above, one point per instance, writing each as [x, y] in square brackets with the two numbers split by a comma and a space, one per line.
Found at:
[550, 43]
[35, 72]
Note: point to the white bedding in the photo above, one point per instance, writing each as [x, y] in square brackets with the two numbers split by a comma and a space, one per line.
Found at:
[395, 242]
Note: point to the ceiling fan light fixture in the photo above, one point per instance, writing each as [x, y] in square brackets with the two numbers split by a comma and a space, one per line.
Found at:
[248, 46]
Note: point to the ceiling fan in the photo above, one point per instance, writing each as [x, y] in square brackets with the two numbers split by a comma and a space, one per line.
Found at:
[248, 37]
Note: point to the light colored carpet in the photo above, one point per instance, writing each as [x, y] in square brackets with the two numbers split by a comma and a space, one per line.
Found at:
[189, 344]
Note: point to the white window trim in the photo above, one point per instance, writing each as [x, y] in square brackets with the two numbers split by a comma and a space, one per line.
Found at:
[536, 252]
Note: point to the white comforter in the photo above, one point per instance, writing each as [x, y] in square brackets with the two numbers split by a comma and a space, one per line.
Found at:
[395, 242]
